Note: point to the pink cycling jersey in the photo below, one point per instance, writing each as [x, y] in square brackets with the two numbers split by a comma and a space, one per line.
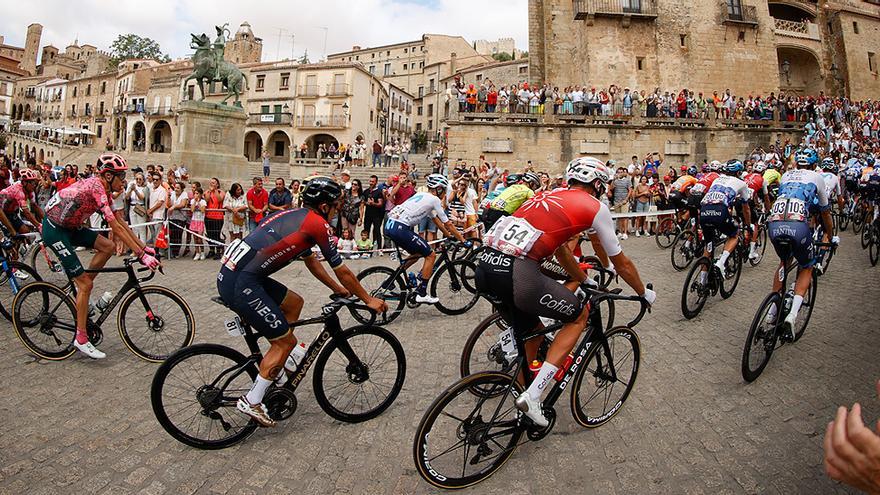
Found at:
[13, 198]
[73, 205]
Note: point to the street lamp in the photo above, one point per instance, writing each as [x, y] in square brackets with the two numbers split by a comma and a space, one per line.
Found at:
[786, 70]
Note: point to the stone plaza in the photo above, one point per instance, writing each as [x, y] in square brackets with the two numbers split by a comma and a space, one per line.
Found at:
[691, 425]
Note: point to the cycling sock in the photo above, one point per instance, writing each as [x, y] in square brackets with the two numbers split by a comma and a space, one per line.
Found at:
[795, 306]
[81, 336]
[704, 275]
[422, 289]
[771, 313]
[722, 259]
[255, 396]
[542, 379]
[753, 247]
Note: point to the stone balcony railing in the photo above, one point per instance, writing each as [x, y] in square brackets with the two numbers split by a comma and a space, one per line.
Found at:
[795, 29]
[583, 9]
[619, 120]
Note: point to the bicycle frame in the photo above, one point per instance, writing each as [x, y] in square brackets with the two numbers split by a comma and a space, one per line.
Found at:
[133, 283]
[406, 263]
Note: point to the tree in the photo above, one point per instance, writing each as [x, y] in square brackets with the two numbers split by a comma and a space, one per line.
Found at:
[128, 46]
[502, 56]
[524, 55]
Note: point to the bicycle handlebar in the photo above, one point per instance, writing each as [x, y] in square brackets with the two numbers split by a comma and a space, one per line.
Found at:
[351, 302]
[598, 296]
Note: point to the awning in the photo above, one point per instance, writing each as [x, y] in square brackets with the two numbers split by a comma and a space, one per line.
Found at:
[87, 132]
[68, 131]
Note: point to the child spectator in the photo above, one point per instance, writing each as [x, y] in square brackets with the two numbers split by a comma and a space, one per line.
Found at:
[346, 244]
[364, 244]
[197, 223]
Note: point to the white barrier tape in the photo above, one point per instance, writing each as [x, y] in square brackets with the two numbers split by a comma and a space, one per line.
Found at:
[211, 241]
[392, 250]
[643, 214]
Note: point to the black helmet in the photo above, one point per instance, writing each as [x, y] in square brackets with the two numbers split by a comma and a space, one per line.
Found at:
[320, 190]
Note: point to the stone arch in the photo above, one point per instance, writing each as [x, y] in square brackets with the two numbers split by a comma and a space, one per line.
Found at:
[27, 111]
[278, 145]
[315, 139]
[805, 76]
[160, 137]
[791, 10]
[253, 146]
[139, 137]
[41, 156]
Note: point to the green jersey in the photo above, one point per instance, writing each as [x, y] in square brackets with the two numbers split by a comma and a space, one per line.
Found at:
[512, 198]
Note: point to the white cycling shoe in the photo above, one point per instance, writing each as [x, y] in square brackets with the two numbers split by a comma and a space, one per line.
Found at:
[427, 299]
[532, 409]
[256, 411]
[21, 275]
[89, 350]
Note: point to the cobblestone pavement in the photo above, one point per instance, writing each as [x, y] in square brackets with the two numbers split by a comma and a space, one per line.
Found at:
[690, 426]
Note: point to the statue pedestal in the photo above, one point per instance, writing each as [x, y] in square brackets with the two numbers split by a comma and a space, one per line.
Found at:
[210, 140]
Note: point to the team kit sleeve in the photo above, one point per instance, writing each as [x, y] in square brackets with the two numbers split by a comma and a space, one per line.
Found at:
[821, 192]
[319, 231]
[603, 227]
[103, 202]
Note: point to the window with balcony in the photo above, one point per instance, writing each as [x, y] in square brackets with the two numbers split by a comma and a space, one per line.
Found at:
[419, 110]
[261, 83]
[264, 108]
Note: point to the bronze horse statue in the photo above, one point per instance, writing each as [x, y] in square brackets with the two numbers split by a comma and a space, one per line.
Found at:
[208, 64]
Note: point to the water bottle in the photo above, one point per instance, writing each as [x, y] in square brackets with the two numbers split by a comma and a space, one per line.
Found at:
[290, 366]
[535, 367]
[413, 281]
[104, 301]
[561, 371]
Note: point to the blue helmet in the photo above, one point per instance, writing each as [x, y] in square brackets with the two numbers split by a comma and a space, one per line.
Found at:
[870, 160]
[828, 163]
[807, 158]
[692, 170]
[733, 167]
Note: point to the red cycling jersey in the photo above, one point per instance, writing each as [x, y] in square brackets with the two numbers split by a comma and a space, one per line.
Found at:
[755, 181]
[704, 183]
[562, 214]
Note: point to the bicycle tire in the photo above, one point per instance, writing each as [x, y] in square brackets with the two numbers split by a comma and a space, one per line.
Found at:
[10, 285]
[423, 439]
[682, 254]
[47, 265]
[245, 426]
[449, 278]
[865, 238]
[395, 298]
[489, 349]
[844, 222]
[666, 233]
[806, 311]
[874, 251]
[599, 377]
[762, 337]
[156, 324]
[354, 373]
[858, 221]
[736, 260]
[760, 247]
[47, 320]
[691, 286]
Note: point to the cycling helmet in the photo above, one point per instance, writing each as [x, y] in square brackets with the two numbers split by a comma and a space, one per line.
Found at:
[321, 190]
[807, 158]
[435, 181]
[532, 180]
[828, 163]
[759, 167]
[870, 160]
[692, 170]
[715, 166]
[586, 170]
[110, 162]
[28, 174]
[733, 167]
[512, 179]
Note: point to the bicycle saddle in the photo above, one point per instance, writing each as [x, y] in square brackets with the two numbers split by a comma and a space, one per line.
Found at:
[219, 301]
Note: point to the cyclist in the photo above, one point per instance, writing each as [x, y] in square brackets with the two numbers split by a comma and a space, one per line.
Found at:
[851, 176]
[19, 200]
[789, 230]
[755, 180]
[698, 190]
[399, 228]
[63, 230]
[245, 284]
[726, 192]
[679, 191]
[771, 178]
[832, 181]
[509, 180]
[509, 269]
[513, 196]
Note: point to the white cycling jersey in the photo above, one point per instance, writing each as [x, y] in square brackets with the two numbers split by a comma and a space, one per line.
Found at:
[832, 185]
[417, 208]
[725, 190]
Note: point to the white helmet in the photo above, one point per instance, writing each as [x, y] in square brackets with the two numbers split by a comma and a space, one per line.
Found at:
[715, 166]
[586, 170]
[759, 166]
[435, 181]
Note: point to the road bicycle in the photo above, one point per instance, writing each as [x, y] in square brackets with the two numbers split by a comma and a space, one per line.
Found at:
[669, 229]
[824, 251]
[452, 282]
[358, 374]
[14, 275]
[473, 427]
[871, 242]
[766, 332]
[697, 289]
[44, 261]
[687, 246]
[153, 321]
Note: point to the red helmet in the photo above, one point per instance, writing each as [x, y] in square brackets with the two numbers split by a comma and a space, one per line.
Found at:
[28, 174]
[110, 162]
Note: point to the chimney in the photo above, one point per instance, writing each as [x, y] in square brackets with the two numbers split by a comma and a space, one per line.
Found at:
[452, 57]
[31, 47]
[355, 48]
[2, 40]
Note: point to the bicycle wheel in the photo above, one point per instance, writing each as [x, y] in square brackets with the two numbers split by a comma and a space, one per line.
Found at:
[761, 340]
[194, 392]
[377, 280]
[874, 250]
[806, 311]
[607, 378]
[359, 374]
[155, 323]
[666, 233]
[730, 278]
[867, 232]
[11, 282]
[760, 246]
[44, 318]
[45, 262]
[482, 351]
[843, 221]
[694, 293]
[465, 436]
[858, 221]
[684, 250]
[450, 284]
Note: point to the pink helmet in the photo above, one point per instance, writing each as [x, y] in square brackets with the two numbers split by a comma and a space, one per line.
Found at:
[110, 162]
[28, 174]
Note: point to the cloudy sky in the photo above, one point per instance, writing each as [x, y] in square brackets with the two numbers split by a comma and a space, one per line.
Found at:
[348, 22]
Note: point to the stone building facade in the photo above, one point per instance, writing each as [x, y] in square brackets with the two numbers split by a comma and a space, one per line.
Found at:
[501, 45]
[750, 46]
[244, 47]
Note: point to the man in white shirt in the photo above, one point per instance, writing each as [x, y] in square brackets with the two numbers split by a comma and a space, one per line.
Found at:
[156, 210]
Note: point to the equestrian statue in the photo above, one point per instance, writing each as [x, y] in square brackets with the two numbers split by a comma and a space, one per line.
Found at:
[209, 65]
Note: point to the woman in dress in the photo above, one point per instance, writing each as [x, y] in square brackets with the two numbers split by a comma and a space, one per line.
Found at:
[235, 204]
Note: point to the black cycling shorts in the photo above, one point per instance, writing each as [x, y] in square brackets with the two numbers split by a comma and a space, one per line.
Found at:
[677, 200]
[491, 216]
[716, 221]
[524, 293]
[257, 301]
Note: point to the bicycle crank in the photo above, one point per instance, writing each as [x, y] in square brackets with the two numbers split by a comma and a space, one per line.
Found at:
[280, 403]
[535, 432]
[96, 336]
